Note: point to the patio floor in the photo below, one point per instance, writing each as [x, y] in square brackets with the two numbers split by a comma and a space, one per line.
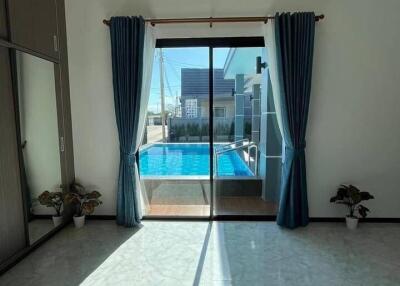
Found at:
[224, 206]
[191, 197]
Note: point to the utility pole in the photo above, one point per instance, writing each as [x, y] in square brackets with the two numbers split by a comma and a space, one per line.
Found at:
[176, 104]
[162, 95]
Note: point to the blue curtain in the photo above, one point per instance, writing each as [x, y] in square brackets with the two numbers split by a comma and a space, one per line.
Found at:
[294, 35]
[127, 40]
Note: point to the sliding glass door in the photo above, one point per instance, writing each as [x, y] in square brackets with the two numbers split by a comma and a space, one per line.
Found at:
[240, 132]
[212, 145]
[175, 155]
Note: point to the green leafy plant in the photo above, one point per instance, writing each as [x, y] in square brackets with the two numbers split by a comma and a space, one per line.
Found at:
[52, 199]
[183, 130]
[222, 129]
[180, 131]
[351, 197]
[204, 129]
[84, 201]
[188, 129]
[175, 129]
[173, 132]
[192, 129]
[195, 130]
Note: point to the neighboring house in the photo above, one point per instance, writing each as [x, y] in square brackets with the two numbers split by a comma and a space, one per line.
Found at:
[154, 119]
[195, 94]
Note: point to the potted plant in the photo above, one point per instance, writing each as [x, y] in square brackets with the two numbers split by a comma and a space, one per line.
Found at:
[351, 197]
[53, 200]
[84, 202]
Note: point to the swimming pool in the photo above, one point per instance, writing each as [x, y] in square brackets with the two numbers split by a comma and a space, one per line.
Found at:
[188, 160]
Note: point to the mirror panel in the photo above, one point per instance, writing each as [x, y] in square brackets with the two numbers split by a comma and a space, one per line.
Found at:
[39, 138]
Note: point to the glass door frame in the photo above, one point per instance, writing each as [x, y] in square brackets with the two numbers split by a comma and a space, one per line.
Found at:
[211, 43]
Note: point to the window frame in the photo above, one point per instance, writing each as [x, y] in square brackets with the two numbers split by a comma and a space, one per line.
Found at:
[220, 108]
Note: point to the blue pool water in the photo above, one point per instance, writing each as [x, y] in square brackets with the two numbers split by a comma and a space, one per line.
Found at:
[188, 160]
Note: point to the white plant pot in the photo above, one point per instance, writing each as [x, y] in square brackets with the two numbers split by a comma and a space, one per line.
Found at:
[57, 220]
[79, 221]
[351, 222]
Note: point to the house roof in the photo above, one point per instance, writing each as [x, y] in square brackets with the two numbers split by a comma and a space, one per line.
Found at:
[194, 83]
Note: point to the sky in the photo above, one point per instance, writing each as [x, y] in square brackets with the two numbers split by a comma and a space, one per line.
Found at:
[174, 60]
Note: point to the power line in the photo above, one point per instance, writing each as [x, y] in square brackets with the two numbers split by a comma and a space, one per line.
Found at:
[168, 85]
[193, 65]
[158, 88]
[174, 70]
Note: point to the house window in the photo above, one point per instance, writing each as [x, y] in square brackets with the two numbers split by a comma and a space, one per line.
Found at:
[191, 108]
[219, 112]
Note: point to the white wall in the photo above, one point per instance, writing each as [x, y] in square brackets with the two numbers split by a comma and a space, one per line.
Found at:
[38, 117]
[352, 135]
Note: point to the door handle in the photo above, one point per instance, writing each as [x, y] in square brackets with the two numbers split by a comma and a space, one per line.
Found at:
[55, 43]
[260, 65]
[62, 144]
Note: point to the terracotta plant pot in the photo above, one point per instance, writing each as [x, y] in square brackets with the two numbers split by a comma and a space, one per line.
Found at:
[79, 221]
[57, 220]
[351, 222]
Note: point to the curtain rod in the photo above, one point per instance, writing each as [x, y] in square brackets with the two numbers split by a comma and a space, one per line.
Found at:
[211, 20]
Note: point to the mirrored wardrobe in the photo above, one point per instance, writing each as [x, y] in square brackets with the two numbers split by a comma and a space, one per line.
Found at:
[36, 156]
[39, 143]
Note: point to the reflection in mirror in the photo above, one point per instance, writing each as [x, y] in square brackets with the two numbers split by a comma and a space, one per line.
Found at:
[39, 143]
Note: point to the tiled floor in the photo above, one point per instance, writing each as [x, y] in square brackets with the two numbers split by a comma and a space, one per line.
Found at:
[244, 205]
[38, 228]
[218, 253]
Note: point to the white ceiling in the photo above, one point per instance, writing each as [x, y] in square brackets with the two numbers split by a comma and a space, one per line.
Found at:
[213, 8]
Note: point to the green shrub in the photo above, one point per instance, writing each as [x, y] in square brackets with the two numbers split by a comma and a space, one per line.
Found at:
[204, 129]
[181, 131]
[222, 129]
[193, 129]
